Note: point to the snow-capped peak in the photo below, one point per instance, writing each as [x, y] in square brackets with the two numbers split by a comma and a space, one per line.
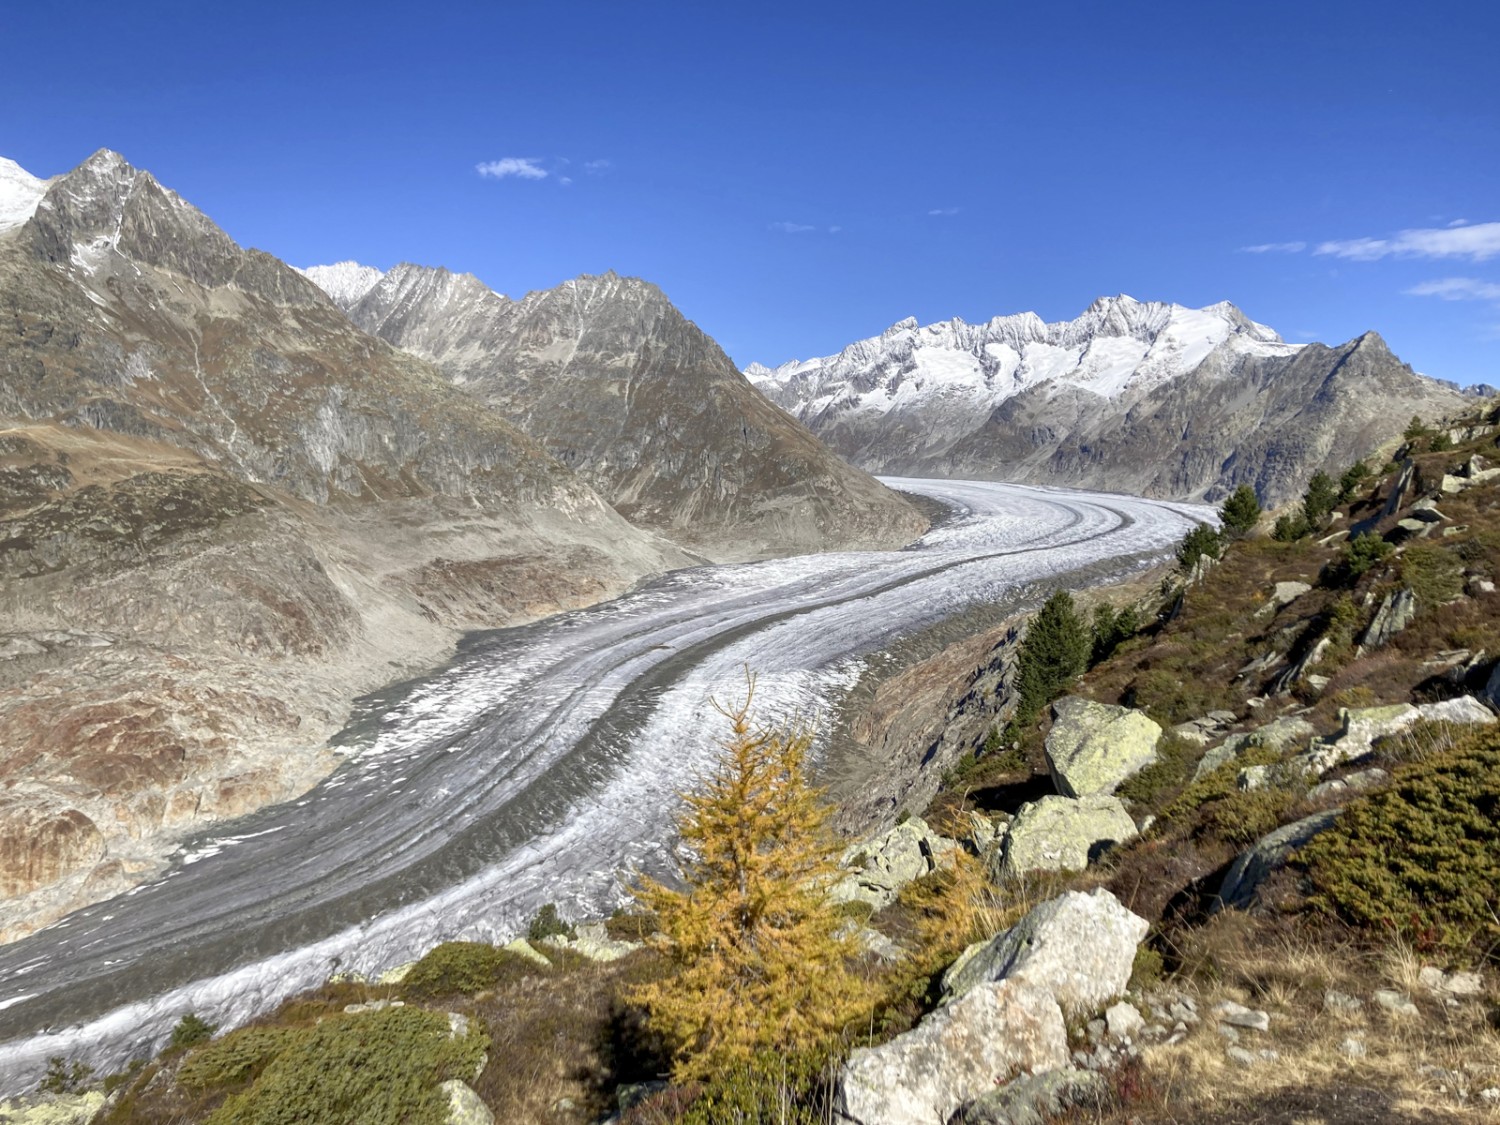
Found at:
[345, 282]
[20, 192]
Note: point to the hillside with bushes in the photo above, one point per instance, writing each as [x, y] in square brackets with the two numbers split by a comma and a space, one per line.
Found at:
[1231, 853]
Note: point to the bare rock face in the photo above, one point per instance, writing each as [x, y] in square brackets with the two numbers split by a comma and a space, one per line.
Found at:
[1133, 396]
[954, 1055]
[617, 384]
[225, 512]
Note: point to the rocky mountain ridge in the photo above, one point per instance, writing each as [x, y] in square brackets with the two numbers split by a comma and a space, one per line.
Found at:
[617, 384]
[1133, 396]
[226, 512]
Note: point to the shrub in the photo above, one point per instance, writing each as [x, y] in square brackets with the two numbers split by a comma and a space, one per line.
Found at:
[1290, 528]
[1111, 629]
[1349, 483]
[1319, 500]
[775, 1087]
[1421, 858]
[1054, 651]
[761, 957]
[1175, 759]
[236, 1058]
[547, 924]
[377, 1068]
[1435, 575]
[63, 1077]
[1360, 554]
[1202, 540]
[455, 966]
[1241, 512]
[1440, 442]
[190, 1031]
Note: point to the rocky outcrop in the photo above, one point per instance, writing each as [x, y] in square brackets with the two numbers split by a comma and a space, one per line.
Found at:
[1003, 1018]
[964, 1050]
[1395, 613]
[1134, 396]
[1061, 834]
[1079, 947]
[880, 867]
[618, 385]
[1093, 747]
[1254, 865]
[224, 513]
[1036, 1099]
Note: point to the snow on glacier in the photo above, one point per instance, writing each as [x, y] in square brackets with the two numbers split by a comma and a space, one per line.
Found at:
[20, 192]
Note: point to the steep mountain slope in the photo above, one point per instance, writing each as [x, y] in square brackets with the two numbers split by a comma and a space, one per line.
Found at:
[619, 385]
[225, 512]
[1142, 397]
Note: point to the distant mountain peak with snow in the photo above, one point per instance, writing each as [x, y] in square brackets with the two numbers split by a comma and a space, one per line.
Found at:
[20, 192]
[344, 282]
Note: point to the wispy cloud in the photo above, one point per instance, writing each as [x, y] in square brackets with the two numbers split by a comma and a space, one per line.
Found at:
[945, 211]
[1459, 223]
[1275, 248]
[1478, 243]
[834, 230]
[791, 228]
[1458, 289]
[521, 167]
[597, 167]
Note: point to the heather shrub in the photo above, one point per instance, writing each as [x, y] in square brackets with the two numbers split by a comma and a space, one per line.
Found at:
[456, 966]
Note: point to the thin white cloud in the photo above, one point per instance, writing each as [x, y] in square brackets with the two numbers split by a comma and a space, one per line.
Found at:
[1459, 223]
[791, 228]
[597, 167]
[1478, 243]
[565, 180]
[1458, 289]
[1275, 248]
[943, 211]
[834, 230]
[521, 167]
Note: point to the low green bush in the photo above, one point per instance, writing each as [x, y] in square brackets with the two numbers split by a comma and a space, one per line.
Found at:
[190, 1031]
[455, 966]
[1175, 760]
[1435, 575]
[237, 1057]
[547, 924]
[1421, 858]
[376, 1068]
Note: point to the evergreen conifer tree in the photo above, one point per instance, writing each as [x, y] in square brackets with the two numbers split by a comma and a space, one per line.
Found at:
[1241, 512]
[1319, 500]
[1055, 650]
[752, 936]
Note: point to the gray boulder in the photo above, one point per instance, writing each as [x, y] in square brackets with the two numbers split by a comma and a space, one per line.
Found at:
[1079, 947]
[464, 1105]
[1061, 834]
[1394, 614]
[1284, 594]
[1270, 852]
[1276, 735]
[954, 1056]
[1035, 1099]
[1094, 746]
[880, 867]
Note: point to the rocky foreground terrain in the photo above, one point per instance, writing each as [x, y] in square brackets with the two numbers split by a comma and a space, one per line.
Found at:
[1242, 869]
[225, 511]
[1132, 396]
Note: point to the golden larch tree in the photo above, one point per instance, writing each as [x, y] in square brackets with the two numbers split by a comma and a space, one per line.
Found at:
[761, 956]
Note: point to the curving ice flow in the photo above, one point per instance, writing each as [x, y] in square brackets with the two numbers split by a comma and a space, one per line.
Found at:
[537, 767]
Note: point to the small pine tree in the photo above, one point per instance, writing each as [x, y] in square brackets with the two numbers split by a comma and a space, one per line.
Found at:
[1055, 650]
[1202, 540]
[1289, 528]
[1416, 429]
[755, 943]
[1354, 476]
[1241, 512]
[1111, 628]
[1319, 500]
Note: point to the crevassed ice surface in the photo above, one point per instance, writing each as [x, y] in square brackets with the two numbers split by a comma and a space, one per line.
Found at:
[539, 766]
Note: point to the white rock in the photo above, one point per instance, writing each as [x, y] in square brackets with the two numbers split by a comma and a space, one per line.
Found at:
[1237, 1015]
[1124, 1020]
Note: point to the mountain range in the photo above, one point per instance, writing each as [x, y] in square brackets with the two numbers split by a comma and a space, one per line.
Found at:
[1131, 396]
[226, 510]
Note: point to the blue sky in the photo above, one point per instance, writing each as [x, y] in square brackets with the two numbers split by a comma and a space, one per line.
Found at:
[798, 176]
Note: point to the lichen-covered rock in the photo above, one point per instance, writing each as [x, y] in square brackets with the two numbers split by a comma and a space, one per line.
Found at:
[954, 1055]
[1271, 851]
[53, 1109]
[880, 867]
[465, 1106]
[591, 940]
[1036, 1099]
[1061, 834]
[1094, 746]
[1276, 735]
[1284, 594]
[1079, 947]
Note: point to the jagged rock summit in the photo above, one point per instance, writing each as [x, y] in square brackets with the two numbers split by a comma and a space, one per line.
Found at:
[1134, 396]
[617, 384]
